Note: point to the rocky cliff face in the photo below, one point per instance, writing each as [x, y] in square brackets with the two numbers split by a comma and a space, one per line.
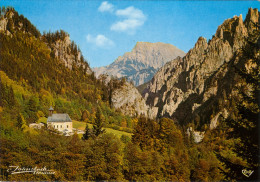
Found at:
[66, 51]
[129, 101]
[142, 62]
[3, 24]
[125, 97]
[190, 89]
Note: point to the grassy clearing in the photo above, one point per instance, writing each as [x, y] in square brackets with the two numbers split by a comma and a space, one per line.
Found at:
[82, 125]
[78, 125]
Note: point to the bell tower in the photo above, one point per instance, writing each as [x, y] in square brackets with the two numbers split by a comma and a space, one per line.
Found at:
[51, 111]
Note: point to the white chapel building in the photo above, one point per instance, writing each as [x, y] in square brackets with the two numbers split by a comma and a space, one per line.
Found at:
[60, 122]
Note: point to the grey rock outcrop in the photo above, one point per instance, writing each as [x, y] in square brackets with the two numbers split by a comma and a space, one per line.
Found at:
[129, 101]
[197, 135]
[142, 62]
[4, 21]
[3, 24]
[62, 50]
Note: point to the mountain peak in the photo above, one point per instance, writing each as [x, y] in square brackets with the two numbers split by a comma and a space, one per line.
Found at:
[147, 45]
[252, 19]
[142, 62]
[252, 15]
[150, 44]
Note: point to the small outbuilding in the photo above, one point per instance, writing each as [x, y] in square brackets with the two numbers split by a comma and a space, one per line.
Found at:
[36, 125]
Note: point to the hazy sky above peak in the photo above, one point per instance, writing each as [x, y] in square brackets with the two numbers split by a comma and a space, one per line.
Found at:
[105, 30]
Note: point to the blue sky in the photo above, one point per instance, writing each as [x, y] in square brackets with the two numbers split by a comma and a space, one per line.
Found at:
[105, 30]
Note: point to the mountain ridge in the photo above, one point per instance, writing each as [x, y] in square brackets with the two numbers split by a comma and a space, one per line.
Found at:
[142, 62]
[184, 86]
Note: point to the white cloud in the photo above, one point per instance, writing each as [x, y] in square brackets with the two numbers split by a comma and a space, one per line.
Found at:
[131, 12]
[126, 25]
[100, 41]
[106, 6]
[133, 18]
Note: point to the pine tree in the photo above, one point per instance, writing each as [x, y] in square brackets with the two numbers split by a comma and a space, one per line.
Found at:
[97, 127]
[32, 108]
[10, 26]
[3, 94]
[87, 133]
[11, 98]
[84, 115]
[33, 104]
[21, 123]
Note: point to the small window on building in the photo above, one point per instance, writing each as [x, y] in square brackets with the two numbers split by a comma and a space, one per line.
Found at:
[67, 126]
[60, 126]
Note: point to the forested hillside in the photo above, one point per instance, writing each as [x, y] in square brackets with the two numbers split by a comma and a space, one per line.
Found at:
[38, 71]
[30, 61]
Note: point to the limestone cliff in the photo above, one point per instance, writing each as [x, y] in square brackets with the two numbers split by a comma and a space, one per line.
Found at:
[65, 50]
[129, 101]
[198, 87]
[142, 62]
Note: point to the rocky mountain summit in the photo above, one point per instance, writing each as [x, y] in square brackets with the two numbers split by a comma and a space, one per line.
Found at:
[200, 87]
[142, 62]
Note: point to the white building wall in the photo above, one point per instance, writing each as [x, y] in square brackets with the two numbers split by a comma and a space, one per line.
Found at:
[60, 126]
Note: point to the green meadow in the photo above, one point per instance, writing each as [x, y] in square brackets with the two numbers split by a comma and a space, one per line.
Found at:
[82, 125]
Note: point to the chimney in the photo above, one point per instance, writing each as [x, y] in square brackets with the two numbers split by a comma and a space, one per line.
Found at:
[51, 111]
